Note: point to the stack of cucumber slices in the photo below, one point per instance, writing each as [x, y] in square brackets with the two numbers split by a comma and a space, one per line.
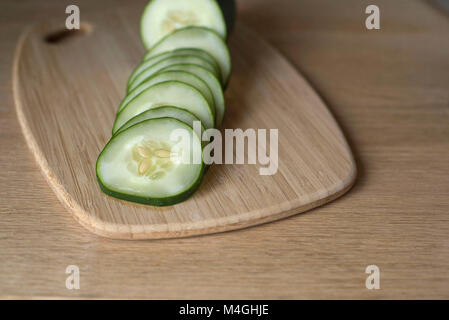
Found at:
[178, 83]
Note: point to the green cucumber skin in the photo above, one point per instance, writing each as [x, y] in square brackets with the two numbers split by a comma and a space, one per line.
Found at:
[218, 94]
[122, 128]
[134, 73]
[182, 52]
[186, 51]
[158, 202]
[114, 127]
[134, 83]
[145, 83]
[226, 82]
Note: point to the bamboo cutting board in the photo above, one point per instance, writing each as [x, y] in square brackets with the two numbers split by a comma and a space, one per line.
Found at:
[67, 88]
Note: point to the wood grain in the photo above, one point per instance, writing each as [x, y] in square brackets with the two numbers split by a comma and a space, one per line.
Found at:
[389, 91]
[67, 109]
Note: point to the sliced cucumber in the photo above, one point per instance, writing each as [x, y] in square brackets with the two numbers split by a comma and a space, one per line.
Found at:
[145, 74]
[163, 112]
[198, 37]
[184, 51]
[162, 17]
[211, 81]
[144, 164]
[182, 76]
[173, 93]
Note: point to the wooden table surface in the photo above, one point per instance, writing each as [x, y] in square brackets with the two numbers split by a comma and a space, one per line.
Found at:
[389, 90]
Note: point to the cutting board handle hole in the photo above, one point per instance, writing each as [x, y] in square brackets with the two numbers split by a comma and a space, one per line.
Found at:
[59, 36]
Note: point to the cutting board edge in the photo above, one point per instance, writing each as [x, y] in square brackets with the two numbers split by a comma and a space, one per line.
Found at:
[250, 222]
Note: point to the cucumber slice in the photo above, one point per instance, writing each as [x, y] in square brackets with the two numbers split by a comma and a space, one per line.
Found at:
[173, 93]
[143, 164]
[182, 76]
[211, 81]
[162, 17]
[162, 112]
[197, 37]
[184, 51]
[145, 74]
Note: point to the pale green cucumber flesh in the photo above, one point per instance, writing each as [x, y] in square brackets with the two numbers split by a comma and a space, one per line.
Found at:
[197, 37]
[162, 17]
[176, 75]
[148, 72]
[145, 63]
[211, 81]
[145, 164]
[172, 93]
[164, 112]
